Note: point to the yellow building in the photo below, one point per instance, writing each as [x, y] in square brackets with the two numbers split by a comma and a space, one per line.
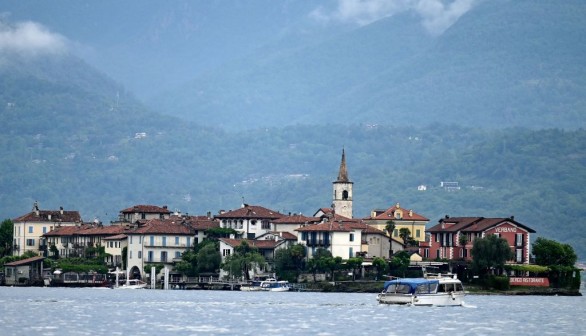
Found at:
[401, 218]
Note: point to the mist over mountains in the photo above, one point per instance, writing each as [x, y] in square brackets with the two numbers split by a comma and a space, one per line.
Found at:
[199, 105]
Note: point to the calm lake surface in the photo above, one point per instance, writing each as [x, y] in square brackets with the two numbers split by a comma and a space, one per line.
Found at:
[86, 311]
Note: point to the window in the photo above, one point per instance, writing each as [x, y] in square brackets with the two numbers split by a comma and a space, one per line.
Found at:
[304, 236]
[177, 255]
[130, 255]
[30, 242]
[139, 254]
[150, 256]
[130, 239]
[8, 272]
[152, 240]
[519, 255]
[188, 241]
[350, 252]
[396, 233]
[519, 239]
[164, 256]
[345, 195]
[418, 233]
[30, 229]
[176, 240]
[351, 237]
[44, 229]
[497, 234]
[226, 252]
[266, 225]
[164, 241]
[253, 222]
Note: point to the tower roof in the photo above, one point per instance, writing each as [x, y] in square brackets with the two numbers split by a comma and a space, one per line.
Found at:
[343, 174]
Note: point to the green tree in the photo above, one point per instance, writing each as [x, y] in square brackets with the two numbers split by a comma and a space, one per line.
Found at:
[490, 252]
[6, 232]
[380, 265]
[405, 234]
[218, 232]
[353, 265]
[208, 259]
[289, 260]
[390, 228]
[552, 253]
[188, 263]
[244, 259]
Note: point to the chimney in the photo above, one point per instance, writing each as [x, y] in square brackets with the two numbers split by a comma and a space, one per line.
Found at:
[49, 216]
[209, 214]
[61, 210]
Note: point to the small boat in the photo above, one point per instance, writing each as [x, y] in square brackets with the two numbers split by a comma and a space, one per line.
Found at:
[431, 290]
[251, 286]
[272, 285]
[133, 284]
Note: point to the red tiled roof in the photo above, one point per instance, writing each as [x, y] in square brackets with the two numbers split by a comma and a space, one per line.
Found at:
[146, 209]
[297, 219]
[251, 211]
[163, 226]
[85, 230]
[472, 224]
[389, 214]
[24, 261]
[55, 215]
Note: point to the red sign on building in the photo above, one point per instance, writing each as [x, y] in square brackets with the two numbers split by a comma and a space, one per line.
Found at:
[535, 282]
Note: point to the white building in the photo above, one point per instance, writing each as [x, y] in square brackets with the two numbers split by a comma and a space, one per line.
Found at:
[30, 228]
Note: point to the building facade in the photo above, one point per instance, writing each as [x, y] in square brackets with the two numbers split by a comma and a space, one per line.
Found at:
[30, 228]
[402, 219]
[453, 237]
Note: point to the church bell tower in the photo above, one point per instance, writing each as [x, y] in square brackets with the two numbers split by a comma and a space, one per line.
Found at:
[343, 191]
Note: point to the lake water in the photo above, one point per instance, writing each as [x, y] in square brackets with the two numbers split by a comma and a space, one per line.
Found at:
[86, 311]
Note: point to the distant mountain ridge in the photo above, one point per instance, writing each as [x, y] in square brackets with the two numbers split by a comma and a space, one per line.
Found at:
[504, 63]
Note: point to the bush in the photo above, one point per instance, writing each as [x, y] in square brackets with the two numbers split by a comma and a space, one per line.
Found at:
[499, 282]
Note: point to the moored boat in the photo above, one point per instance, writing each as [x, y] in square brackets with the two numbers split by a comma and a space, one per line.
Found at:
[272, 285]
[432, 290]
[133, 284]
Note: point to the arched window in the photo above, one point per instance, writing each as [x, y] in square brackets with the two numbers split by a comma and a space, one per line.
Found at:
[345, 195]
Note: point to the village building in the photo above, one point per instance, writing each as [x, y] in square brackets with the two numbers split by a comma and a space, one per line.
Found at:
[142, 213]
[113, 247]
[402, 219]
[24, 272]
[453, 237]
[30, 228]
[80, 240]
[163, 241]
[249, 221]
[267, 244]
[293, 222]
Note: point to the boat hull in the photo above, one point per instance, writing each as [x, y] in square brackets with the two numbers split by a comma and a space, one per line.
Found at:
[444, 299]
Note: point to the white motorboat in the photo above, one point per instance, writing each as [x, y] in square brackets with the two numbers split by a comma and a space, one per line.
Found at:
[133, 284]
[272, 285]
[432, 290]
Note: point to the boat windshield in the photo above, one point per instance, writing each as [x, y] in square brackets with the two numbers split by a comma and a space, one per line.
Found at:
[426, 288]
[399, 288]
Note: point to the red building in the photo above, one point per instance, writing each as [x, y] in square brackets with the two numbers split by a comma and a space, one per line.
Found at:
[453, 237]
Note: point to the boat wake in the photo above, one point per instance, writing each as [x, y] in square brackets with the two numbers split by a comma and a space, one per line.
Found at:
[468, 305]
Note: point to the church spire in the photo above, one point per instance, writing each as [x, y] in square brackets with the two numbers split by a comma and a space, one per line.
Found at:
[343, 174]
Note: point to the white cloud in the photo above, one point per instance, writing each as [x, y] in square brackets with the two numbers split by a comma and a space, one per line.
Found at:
[30, 38]
[436, 15]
